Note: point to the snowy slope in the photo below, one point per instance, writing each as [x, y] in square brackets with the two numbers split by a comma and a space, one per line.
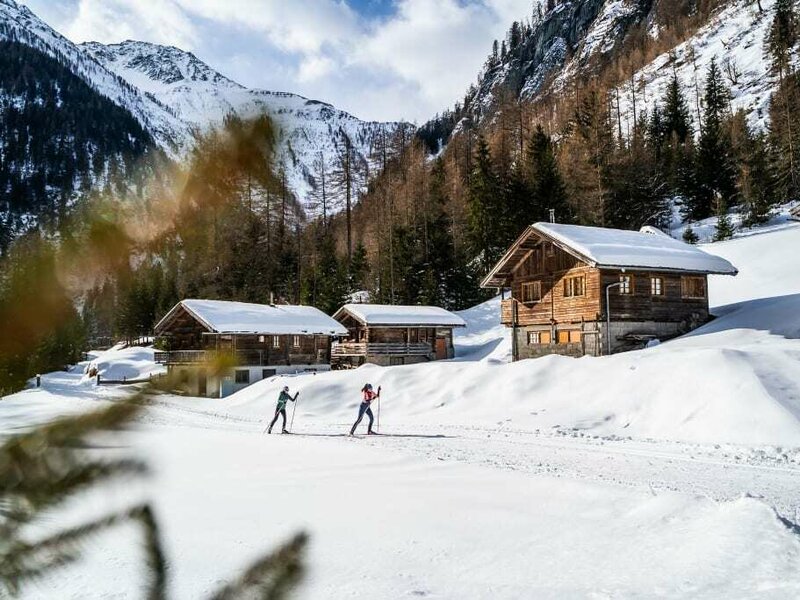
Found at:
[199, 96]
[735, 36]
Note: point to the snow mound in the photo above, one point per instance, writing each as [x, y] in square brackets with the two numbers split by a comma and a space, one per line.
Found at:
[767, 260]
[484, 337]
[124, 364]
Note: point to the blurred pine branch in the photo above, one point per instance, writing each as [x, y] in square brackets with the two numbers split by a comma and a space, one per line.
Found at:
[42, 469]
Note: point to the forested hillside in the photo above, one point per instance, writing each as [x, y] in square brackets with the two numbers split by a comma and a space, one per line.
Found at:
[59, 138]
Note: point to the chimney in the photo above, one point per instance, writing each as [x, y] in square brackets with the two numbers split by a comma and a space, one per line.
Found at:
[272, 298]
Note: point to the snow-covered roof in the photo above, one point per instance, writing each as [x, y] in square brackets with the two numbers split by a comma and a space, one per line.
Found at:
[220, 316]
[613, 249]
[401, 316]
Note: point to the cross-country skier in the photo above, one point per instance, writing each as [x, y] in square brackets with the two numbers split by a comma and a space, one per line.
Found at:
[368, 397]
[280, 408]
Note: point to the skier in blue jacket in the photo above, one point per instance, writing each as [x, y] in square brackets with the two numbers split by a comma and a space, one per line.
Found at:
[280, 408]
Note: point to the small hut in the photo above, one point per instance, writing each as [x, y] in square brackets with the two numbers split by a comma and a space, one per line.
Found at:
[394, 335]
[264, 340]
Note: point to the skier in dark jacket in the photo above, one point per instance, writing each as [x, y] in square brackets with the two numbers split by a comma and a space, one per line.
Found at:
[280, 408]
[368, 397]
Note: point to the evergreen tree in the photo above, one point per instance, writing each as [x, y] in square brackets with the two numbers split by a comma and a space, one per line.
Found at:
[358, 270]
[689, 236]
[486, 211]
[724, 229]
[756, 183]
[715, 171]
[677, 123]
[546, 184]
[781, 43]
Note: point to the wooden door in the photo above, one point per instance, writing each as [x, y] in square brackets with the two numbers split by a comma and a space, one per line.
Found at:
[202, 383]
[441, 348]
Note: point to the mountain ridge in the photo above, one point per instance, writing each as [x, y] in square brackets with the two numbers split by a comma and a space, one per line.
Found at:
[175, 96]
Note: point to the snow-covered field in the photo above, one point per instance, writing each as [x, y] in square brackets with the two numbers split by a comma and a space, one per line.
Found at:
[669, 472]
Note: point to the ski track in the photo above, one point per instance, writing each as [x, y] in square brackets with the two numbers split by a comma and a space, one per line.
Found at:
[719, 472]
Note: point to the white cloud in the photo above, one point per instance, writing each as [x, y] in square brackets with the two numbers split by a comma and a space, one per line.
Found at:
[410, 64]
[160, 21]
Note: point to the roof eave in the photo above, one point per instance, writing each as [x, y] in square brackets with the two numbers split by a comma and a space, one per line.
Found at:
[392, 325]
[665, 269]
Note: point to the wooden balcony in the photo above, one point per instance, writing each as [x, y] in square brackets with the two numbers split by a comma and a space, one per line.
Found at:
[527, 314]
[244, 358]
[381, 348]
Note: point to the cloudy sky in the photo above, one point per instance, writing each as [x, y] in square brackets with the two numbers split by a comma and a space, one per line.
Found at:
[379, 59]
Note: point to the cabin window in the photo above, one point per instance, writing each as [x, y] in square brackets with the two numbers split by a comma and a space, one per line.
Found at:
[626, 284]
[536, 338]
[242, 376]
[656, 286]
[296, 341]
[569, 336]
[261, 339]
[276, 341]
[693, 287]
[267, 373]
[574, 286]
[532, 291]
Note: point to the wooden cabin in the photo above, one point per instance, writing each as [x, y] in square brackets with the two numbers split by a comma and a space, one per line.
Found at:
[264, 340]
[394, 335]
[794, 213]
[560, 276]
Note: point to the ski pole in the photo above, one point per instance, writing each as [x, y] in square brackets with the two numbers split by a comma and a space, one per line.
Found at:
[379, 409]
[294, 408]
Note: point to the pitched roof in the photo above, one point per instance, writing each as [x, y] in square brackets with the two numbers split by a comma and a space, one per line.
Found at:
[401, 316]
[612, 249]
[221, 316]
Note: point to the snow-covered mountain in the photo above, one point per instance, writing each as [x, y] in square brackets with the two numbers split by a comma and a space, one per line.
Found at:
[580, 39]
[174, 95]
[200, 96]
[19, 24]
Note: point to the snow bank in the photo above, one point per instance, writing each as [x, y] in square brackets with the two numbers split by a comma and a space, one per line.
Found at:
[769, 265]
[124, 364]
[484, 337]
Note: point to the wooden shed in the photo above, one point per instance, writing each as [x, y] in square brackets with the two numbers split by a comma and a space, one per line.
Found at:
[264, 340]
[394, 335]
[561, 275]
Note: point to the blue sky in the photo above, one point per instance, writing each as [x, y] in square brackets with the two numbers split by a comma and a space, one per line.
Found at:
[378, 59]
